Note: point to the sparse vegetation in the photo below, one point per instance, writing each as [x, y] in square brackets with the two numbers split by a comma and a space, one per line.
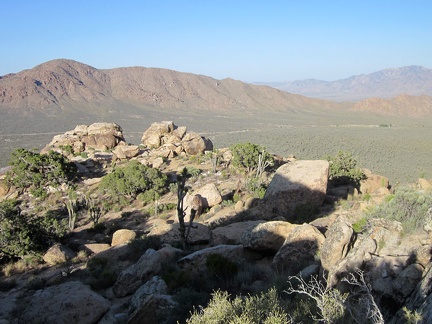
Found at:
[408, 206]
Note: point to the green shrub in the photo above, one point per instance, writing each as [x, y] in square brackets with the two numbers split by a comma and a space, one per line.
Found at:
[360, 225]
[256, 187]
[343, 169]
[133, 179]
[36, 171]
[25, 234]
[408, 206]
[264, 308]
[246, 156]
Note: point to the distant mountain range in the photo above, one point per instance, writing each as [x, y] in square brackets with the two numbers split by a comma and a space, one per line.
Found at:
[411, 80]
[65, 92]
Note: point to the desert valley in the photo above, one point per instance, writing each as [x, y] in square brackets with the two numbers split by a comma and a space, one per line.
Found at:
[146, 195]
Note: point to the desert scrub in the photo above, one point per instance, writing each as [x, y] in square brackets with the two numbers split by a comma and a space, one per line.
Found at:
[26, 234]
[343, 169]
[36, 171]
[407, 206]
[263, 308]
[134, 179]
[251, 158]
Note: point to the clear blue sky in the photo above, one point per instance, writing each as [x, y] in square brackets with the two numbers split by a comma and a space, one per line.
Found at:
[245, 40]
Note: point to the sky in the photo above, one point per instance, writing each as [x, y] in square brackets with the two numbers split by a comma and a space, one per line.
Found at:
[251, 41]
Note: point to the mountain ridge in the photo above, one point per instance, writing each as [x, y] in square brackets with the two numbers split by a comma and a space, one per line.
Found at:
[61, 82]
[387, 83]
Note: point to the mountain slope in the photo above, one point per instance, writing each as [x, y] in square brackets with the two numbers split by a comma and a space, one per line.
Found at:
[65, 84]
[411, 80]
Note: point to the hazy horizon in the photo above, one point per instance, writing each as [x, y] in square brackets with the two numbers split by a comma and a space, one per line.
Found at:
[244, 40]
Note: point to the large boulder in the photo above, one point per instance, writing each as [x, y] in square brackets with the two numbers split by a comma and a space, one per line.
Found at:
[299, 250]
[210, 195]
[268, 236]
[297, 185]
[70, 302]
[194, 144]
[149, 265]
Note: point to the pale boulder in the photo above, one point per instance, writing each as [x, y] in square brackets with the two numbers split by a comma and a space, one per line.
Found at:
[122, 236]
[295, 185]
[268, 236]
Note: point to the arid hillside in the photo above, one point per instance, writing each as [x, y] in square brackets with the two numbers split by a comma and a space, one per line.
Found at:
[66, 83]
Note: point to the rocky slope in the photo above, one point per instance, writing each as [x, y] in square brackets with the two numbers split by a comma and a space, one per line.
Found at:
[116, 275]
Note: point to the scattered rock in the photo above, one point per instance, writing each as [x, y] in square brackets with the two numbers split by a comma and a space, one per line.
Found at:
[126, 151]
[170, 233]
[147, 266]
[372, 182]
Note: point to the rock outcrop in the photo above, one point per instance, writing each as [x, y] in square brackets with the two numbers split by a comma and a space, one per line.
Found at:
[98, 136]
[172, 140]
